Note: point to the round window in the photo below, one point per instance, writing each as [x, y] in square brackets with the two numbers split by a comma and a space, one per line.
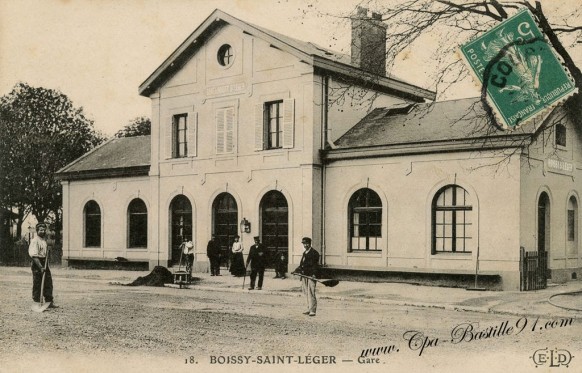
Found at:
[225, 55]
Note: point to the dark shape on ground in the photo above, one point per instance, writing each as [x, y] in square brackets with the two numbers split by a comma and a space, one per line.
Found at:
[121, 259]
[158, 277]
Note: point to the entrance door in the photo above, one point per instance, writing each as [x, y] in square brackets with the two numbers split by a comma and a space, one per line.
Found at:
[181, 225]
[572, 228]
[225, 224]
[275, 226]
[544, 230]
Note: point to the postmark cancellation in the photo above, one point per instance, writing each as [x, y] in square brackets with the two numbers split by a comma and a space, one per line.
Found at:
[521, 76]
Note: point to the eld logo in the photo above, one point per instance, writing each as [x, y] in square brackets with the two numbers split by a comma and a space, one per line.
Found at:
[554, 358]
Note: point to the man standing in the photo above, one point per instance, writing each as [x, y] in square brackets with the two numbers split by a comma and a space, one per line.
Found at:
[38, 250]
[189, 254]
[258, 259]
[213, 252]
[309, 266]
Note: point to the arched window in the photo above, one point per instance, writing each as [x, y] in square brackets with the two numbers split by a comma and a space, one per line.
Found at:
[365, 216]
[572, 227]
[137, 219]
[451, 221]
[92, 214]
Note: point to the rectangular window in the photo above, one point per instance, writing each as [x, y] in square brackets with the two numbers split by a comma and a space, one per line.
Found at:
[560, 135]
[274, 124]
[366, 228]
[571, 225]
[180, 135]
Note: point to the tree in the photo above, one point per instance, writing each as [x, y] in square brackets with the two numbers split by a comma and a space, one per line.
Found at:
[139, 126]
[41, 132]
[451, 23]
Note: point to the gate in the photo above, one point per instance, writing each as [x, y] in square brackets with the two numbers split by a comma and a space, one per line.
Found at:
[532, 269]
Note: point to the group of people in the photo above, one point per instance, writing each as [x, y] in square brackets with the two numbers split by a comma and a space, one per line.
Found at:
[237, 264]
[308, 269]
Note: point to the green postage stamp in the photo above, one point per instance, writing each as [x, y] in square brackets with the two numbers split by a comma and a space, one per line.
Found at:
[521, 75]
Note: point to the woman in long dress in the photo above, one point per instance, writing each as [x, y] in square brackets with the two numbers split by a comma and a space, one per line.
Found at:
[237, 265]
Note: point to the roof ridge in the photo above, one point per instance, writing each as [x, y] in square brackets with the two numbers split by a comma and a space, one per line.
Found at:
[308, 52]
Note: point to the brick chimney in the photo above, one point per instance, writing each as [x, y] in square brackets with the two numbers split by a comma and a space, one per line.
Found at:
[369, 42]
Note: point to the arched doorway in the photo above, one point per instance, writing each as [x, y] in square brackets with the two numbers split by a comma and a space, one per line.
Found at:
[181, 225]
[544, 229]
[275, 225]
[224, 224]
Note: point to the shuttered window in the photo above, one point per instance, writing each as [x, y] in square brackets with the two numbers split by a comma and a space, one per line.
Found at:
[192, 134]
[180, 136]
[225, 120]
[275, 124]
[274, 119]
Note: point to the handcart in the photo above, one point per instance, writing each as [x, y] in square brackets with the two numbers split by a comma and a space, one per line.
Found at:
[183, 277]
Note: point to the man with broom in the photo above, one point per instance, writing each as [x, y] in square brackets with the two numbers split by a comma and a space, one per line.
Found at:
[309, 271]
[38, 250]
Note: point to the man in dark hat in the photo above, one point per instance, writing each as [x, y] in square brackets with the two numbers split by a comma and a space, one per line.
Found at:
[309, 266]
[258, 259]
[38, 250]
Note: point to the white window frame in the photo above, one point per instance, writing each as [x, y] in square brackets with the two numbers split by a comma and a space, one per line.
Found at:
[170, 135]
[287, 108]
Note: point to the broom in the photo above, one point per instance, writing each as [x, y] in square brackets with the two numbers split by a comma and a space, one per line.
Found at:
[329, 283]
[42, 306]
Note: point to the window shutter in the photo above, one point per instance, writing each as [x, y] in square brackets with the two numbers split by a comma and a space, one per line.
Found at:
[169, 136]
[259, 126]
[229, 130]
[192, 133]
[288, 122]
[220, 131]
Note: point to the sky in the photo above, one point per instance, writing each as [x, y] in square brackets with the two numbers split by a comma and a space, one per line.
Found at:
[98, 52]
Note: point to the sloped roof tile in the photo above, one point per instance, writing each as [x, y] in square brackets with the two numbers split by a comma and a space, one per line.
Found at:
[424, 122]
[117, 153]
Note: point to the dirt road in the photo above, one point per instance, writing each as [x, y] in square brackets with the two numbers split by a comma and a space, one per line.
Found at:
[103, 327]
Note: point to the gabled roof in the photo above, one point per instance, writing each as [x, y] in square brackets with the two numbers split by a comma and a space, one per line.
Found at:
[426, 124]
[126, 156]
[310, 53]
